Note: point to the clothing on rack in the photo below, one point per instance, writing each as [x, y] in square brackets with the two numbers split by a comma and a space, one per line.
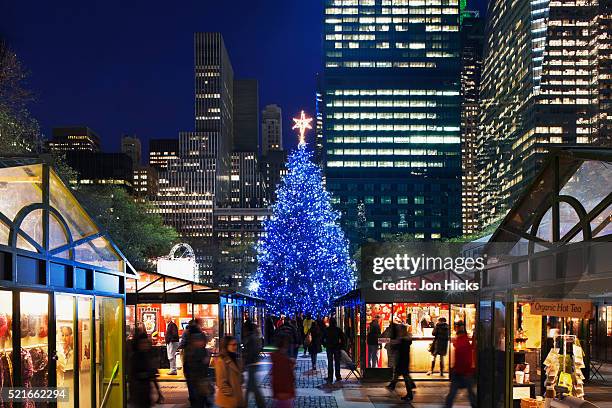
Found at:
[6, 377]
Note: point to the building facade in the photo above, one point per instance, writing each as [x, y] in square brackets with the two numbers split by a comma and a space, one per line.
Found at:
[271, 129]
[545, 85]
[246, 115]
[161, 151]
[392, 116]
[96, 168]
[131, 146]
[248, 184]
[77, 138]
[472, 41]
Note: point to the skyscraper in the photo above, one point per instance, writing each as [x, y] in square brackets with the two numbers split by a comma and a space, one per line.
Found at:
[392, 116]
[74, 138]
[472, 41]
[161, 151]
[246, 115]
[545, 84]
[131, 146]
[271, 129]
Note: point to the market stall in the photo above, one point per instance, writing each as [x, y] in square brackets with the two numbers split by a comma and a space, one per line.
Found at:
[62, 284]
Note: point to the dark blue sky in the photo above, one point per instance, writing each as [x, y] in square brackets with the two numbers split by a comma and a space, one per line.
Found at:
[127, 66]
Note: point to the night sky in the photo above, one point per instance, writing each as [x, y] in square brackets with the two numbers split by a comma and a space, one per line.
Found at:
[127, 66]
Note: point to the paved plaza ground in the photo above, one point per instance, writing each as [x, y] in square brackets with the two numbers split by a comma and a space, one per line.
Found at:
[313, 393]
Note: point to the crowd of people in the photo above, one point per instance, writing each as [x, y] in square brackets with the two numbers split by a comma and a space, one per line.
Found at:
[287, 335]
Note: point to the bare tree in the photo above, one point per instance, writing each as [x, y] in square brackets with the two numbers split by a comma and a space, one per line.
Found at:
[19, 131]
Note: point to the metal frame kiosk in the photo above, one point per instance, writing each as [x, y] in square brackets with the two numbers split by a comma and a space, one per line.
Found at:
[62, 292]
[549, 277]
[153, 296]
[418, 309]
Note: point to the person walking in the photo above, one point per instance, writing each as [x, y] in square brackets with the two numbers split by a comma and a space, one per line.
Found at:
[315, 335]
[199, 363]
[172, 343]
[306, 328]
[334, 341]
[463, 371]
[283, 374]
[402, 363]
[289, 330]
[392, 333]
[372, 341]
[186, 344]
[228, 373]
[252, 349]
[141, 372]
[439, 346]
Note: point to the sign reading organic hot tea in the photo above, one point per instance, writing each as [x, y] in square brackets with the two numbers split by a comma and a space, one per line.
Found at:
[563, 308]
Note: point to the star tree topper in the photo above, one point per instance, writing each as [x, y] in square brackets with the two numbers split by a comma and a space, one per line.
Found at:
[302, 123]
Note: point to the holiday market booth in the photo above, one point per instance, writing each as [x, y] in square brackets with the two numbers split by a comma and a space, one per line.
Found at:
[546, 291]
[418, 309]
[153, 297]
[62, 286]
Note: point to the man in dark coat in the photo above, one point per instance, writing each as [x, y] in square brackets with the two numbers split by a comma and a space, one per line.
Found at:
[314, 347]
[372, 340]
[334, 341]
[172, 343]
[441, 335]
[402, 363]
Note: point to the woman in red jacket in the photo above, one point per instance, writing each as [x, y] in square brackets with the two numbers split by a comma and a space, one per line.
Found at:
[463, 370]
[283, 375]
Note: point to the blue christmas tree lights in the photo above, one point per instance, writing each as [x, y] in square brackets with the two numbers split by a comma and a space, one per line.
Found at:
[303, 257]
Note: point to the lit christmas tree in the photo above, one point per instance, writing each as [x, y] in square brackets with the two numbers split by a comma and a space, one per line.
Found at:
[303, 259]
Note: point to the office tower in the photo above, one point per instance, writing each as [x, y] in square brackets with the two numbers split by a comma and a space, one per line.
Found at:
[131, 146]
[146, 182]
[248, 185]
[472, 41]
[273, 169]
[96, 168]
[246, 115]
[545, 84]
[392, 117]
[318, 144]
[76, 138]
[161, 151]
[271, 129]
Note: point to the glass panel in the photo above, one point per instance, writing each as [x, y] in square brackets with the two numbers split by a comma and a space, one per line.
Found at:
[209, 314]
[57, 234]
[602, 224]
[63, 255]
[109, 350]
[33, 226]
[568, 219]
[34, 320]
[23, 244]
[85, 330]
[61, 199]
[499, 338]
[64, 315]
[545, 227]
[130, 285]
[589, 184]
[148, 283]
[99, 252]
[381, 312]
[4, 233]
[6, 336]
[177, 286]
[19, 187]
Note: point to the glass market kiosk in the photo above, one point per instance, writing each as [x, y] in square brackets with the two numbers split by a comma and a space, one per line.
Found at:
[545, 292]
[62, 286]
[153, 297]
[419, 310]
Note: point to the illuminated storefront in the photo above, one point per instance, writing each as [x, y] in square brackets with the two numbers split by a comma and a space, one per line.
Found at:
[62, 286]
[153, 297]
[546, 290]
[418, 311]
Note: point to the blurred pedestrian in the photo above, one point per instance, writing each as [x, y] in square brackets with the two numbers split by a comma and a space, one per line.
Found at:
[334, 341]
[392, 333]
[141, 372]
[199, 358]
[289, 330]
[172, 343]
[372, 341]
[186, 344]
[439, 346]
[252, 350]
[402, 363]
[314, 338]
[463, 370]
[283, 375]
[228, 372]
